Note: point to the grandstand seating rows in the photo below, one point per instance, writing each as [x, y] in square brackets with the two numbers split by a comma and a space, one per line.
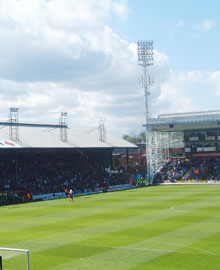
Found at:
[45, 172]
[190, 169]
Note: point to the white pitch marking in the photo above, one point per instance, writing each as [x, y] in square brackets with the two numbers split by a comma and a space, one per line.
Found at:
[10, 256]
[149, 249]
[173, 208]
[141, 249]
[181, 245]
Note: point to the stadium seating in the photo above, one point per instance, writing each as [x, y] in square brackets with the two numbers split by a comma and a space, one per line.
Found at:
[50, 172]
[190, 169]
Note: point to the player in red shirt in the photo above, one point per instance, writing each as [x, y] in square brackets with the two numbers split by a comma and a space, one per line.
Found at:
[71, 195]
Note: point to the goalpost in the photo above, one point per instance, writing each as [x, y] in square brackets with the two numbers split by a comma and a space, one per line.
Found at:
[15, 250]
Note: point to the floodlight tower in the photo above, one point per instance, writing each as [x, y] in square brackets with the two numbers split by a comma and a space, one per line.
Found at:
[146, 59]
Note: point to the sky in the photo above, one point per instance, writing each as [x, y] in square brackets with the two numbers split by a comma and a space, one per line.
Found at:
[80, 57]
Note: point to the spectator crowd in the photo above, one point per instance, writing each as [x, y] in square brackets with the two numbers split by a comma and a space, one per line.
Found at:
[24, 174]
[27, 173]
[190, 169]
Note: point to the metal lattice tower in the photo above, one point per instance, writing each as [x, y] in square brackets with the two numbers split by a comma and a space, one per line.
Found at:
[13, 124]
[146, 59]
[63, 127]
[102, 130]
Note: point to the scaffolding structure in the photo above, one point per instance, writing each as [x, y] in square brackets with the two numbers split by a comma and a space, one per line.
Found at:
[164, 128]
[102, 130]
[13, 126]
[63, 127]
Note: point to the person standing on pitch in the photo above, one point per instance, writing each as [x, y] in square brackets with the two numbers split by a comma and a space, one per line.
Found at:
[71, 195]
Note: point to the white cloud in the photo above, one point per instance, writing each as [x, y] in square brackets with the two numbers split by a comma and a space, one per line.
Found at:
[188, 91]
[180, 23]
[205, 25]
[121, 9]
[56, 40]
[172, 98]
[215, 80]
[61, 55]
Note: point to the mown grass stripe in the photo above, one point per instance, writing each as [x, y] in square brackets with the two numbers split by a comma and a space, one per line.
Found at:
[122, 230]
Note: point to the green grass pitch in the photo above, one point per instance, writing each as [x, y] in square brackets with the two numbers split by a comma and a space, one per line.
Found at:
[152, 228]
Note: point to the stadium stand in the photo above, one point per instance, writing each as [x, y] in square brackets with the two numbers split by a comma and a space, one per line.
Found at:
[41, 172]
[190, 169]
[185, 146]
[43, 159]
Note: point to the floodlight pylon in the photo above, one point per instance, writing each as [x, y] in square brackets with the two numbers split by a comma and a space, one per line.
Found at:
[145, 51]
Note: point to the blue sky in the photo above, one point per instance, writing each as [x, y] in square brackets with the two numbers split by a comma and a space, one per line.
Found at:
[177, 28]
[80, 57]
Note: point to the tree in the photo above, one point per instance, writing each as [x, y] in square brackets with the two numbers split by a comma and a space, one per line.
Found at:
[135, 138]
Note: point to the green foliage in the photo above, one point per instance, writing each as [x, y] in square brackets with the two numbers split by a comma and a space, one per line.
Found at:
[136, 138]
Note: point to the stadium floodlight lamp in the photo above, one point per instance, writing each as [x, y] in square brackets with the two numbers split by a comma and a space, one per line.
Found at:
[145, 53]
[63, 113]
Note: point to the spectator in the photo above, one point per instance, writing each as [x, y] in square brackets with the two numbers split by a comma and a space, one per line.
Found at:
[45, 172]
